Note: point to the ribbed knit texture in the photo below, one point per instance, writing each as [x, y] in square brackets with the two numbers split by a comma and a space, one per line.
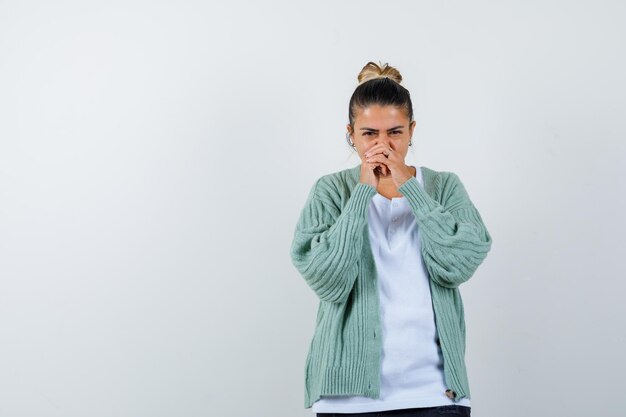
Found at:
[331, 250]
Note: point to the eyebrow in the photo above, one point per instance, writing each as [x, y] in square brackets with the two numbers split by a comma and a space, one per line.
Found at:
[376, 130]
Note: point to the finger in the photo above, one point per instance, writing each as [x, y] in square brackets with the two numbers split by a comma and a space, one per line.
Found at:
[383, 162]
[382, 167]
[379, 168]
[379, 157]
[378, 148]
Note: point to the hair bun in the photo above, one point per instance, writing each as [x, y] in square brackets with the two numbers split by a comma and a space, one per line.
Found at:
[372, 70]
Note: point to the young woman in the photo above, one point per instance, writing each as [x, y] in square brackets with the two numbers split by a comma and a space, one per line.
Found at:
[385, 246]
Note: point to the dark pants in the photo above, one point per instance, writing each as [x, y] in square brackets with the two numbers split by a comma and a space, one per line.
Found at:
[442, 410]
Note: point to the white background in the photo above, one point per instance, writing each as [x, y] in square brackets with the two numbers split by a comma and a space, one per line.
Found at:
[154, 157]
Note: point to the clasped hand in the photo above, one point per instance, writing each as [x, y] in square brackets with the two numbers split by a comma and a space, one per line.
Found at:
[381, 161]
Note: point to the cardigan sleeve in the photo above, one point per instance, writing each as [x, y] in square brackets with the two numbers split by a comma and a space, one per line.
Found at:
[454, 239]
[327, 243]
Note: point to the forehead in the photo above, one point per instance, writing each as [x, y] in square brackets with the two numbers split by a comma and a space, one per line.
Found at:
[376, 115]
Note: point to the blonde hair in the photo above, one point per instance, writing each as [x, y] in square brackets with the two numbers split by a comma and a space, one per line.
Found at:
[372, 70]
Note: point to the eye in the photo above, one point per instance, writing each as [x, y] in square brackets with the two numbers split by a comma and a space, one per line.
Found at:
[397, 131]
[366, 133]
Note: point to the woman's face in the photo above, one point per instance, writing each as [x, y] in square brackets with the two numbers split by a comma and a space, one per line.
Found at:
[381, 124]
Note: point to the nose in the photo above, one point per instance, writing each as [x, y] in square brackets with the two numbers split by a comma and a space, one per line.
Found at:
[384, 139]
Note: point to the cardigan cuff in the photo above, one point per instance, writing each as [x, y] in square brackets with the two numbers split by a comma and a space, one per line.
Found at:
[414, 191]
[360, 199]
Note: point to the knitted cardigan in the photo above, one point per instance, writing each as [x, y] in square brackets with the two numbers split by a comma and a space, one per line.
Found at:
[331, 250]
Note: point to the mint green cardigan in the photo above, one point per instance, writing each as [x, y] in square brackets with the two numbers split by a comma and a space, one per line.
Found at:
[331, 250]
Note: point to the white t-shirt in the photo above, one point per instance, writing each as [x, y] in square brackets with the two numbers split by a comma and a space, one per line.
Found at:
[411, 363]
